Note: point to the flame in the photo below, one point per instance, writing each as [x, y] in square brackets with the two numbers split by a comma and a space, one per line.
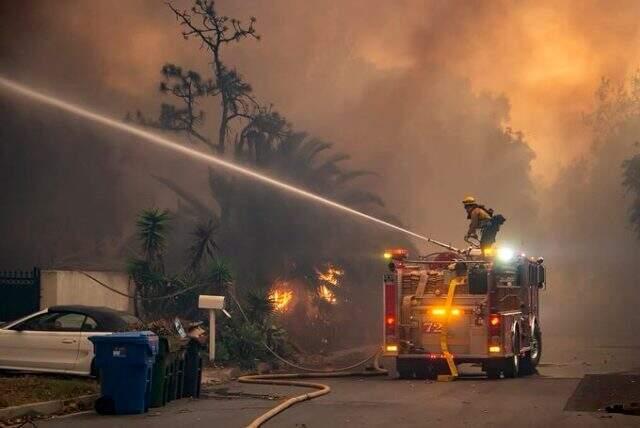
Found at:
[281, 299]
[328, 280]
[331, 276]
[326, 294]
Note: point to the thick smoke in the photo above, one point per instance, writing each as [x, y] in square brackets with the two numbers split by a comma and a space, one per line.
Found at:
[423, 93]
[593, 245]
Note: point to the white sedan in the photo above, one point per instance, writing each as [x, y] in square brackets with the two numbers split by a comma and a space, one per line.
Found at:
[56, 339]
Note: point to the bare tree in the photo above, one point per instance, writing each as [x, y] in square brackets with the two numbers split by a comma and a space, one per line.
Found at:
[188, 87]
[215, 32]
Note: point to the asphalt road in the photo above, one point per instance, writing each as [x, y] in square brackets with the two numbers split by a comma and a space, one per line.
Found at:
[472, 401]
[380, 402]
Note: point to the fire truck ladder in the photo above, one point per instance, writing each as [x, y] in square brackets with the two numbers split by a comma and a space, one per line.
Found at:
[444, 345]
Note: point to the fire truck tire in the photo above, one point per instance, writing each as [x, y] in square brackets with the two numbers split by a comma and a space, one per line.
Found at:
[421, 371]
[493, 372]
[404, 368]
[532, 357]
[428, 370]
[512, 364]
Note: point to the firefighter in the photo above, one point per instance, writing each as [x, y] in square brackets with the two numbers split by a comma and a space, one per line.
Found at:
[483, 219]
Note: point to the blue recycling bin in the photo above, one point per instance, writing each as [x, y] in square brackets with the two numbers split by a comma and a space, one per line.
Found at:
[125, 362]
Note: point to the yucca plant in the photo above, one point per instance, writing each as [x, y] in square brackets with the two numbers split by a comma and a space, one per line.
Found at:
[153, 226]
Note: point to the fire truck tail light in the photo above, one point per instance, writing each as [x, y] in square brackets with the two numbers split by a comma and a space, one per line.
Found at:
[494, 349]
[390, 315]
[494, 332]
[392, 348]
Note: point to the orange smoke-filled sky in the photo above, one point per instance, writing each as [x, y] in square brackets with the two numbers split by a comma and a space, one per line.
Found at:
[545, 57]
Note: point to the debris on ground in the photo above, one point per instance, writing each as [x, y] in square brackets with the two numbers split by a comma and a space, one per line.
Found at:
[226, 394]
[624, 409]
[614, 391]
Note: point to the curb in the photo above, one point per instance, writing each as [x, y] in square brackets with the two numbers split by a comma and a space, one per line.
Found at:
[47, 408]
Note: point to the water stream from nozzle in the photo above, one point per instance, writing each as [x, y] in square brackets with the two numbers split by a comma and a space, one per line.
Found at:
[169, 144]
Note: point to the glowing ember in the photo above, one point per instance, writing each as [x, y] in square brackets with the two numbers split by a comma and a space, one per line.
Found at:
[331, 276]
[281, 299]
[326, 294]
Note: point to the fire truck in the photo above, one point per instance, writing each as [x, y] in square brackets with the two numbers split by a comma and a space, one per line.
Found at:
[455, 307]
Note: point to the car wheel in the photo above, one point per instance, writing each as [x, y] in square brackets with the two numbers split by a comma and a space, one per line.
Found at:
[105, 406]
[94, 371]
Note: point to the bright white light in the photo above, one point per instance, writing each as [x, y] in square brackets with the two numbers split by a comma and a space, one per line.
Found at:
[505, 254]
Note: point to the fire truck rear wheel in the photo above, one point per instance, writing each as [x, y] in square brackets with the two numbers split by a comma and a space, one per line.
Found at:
[429, 370]
[532, 357]
[512, 364]
[404, 368]
[493, 372]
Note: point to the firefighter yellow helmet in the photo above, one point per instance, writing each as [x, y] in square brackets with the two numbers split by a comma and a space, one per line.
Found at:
[469, 200]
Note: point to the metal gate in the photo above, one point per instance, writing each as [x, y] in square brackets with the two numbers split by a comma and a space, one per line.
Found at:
[19, 293]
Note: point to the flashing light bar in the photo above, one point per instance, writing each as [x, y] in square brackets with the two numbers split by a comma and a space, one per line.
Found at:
[443, 311]
[396, 253]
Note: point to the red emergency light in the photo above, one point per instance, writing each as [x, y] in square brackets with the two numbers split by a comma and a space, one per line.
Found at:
[390, 311]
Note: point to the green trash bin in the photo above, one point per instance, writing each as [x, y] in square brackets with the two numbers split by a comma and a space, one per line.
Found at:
[164, 370]
[176, 381]
[192, 369]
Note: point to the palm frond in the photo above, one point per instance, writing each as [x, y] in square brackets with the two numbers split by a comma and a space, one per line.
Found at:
[219, 272]
[309, 149]
[204, 245]
[152, 233]
[362, 197]
[259, 306]
[345, 177]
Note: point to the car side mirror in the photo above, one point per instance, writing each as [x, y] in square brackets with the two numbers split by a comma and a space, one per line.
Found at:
[19, 327]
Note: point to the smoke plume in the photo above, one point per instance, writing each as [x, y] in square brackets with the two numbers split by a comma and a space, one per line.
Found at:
[441, 99]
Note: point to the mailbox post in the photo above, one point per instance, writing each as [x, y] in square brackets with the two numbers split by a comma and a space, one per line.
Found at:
[211, 303]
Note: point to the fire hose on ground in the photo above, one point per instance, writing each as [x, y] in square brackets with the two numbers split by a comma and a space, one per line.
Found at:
[284, 379]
